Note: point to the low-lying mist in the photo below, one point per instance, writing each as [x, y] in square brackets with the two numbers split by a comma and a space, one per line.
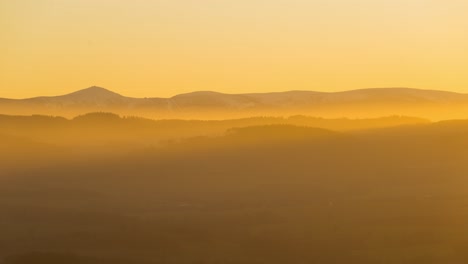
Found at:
[101, 188]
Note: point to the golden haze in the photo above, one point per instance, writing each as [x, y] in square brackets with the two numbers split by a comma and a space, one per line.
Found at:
[162, 48]
[360, 176]
[101, 189]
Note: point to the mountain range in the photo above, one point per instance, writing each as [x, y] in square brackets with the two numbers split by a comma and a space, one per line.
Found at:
[363, 103]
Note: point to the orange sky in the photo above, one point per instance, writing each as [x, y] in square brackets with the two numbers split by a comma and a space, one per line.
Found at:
[165, 47]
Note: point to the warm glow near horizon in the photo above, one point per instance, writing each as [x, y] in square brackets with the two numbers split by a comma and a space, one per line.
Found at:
[165, 47]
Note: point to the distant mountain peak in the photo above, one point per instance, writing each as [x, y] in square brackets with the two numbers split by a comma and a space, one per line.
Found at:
[95, 89]
[94, 92]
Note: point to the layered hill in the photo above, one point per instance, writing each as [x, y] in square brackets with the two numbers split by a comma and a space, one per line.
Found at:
[362, 103]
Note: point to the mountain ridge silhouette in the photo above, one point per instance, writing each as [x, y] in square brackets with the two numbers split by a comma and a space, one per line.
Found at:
[370, 102]
[93, 90]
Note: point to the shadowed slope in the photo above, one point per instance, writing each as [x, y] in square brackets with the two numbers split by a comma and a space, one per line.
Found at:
[394, 194]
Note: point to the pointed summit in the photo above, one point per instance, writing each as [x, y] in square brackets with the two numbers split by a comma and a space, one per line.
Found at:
[95, 92]
[94, 95]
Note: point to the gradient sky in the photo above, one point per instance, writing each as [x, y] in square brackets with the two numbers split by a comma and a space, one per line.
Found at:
[165, 47]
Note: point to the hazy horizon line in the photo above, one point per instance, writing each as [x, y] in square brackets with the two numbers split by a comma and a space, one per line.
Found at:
[226, 93]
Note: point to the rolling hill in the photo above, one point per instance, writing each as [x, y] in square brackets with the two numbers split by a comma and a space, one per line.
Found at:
[362, 103]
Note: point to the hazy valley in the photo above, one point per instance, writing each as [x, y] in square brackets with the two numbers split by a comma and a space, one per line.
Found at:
[103, 188]
[233, 132]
